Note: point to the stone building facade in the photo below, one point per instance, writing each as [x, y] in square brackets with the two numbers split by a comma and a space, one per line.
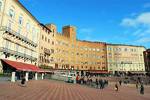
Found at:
[147, 60]
[19, 33]
[74, 54]
[125, 58]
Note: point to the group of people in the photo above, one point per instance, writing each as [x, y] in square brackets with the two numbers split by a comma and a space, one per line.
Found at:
[97, 82]
[140, 87]
[93, 81]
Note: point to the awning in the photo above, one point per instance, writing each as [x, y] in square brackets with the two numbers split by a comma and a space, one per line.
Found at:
[45, 71]
[22, 66]
[99, 72]
[137, 72]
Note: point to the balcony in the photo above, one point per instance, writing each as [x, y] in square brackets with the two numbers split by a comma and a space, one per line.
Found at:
[17, 54]
[47, 51]
[19, 36]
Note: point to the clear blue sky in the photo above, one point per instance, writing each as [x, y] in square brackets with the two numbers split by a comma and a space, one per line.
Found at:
[112, 21]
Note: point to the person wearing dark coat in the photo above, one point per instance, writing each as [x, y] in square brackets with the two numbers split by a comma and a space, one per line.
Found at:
[116, 87]
[23, 80]
[142, 89]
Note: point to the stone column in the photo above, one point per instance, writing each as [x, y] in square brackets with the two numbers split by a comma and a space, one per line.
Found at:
[13, 76]
[79, 73]
[84, 73]
[42, 76]
[27, 76]
[36, 76]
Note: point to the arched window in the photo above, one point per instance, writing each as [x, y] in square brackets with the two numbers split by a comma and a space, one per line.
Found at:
[11, 12]
[20, 19]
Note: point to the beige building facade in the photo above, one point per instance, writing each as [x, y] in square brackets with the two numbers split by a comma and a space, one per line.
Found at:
[24, 39]
[46, 46]
[125, 58]
[19, 33]
[74, 54]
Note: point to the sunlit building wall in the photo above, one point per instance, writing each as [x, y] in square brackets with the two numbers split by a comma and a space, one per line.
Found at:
[71, 53]
[125, 58]
[19, 31]
[46, 46]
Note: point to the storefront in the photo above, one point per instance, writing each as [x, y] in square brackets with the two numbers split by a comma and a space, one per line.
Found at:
[18, 70]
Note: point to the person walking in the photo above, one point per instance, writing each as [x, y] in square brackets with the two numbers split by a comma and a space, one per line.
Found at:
[116, 87]
[96, 83]
[100, 83]
[23, 81]
[120, 82]
[142, 89]
[137, 85]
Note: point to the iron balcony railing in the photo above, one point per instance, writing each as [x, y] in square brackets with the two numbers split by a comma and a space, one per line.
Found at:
[14, 33]
[16, 53]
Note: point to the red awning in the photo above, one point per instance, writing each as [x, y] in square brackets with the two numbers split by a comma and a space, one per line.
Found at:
[22, 66]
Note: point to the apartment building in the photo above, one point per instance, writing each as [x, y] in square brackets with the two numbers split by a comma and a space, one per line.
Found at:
[125, 58]
[46, 46]
[19, 33]
[24, 39]
[74, 54]
[147, 60]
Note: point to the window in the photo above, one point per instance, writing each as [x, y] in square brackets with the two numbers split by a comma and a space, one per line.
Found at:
[125, 49]
[109, 49]
[28, 27]
[42, 37]
[52, 42]
[9, 25]
[7, 44]
[110, 54]
[46, 39]
[11, 13]
[119, 49]
[20, 20]
[0, 5]
[19, 30]
[17, 47]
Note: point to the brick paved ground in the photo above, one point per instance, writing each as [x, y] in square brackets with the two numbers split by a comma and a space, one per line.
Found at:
[53, 90]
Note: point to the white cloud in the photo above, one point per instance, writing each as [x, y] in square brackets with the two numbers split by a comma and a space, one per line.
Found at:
[143, 40]
[142, 19]
[140, 26]
[128, 22]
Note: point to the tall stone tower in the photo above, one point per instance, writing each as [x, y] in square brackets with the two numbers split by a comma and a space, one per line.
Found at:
[70, 32]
